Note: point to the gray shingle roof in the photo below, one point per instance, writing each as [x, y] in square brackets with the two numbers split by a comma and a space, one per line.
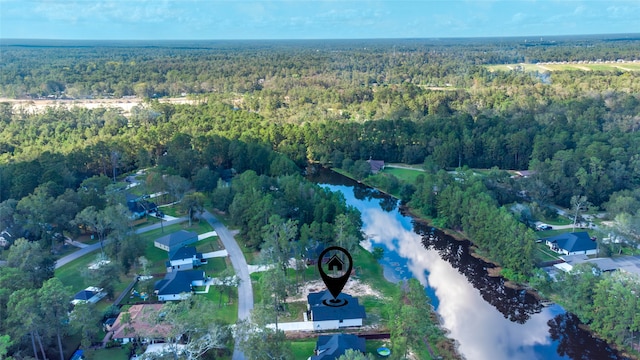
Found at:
[177, 238]
[333, 346]
[178, 282]
[321, 312]
[572, 242]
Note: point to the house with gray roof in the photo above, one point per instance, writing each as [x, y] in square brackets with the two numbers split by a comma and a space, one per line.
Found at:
[575, 243]
[178, 285]
[325, 317]
[331, 347]
[176, 240]
[185, 258]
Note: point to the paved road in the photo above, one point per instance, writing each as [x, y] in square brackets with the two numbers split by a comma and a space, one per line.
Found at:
[245, 291]
[94, 247]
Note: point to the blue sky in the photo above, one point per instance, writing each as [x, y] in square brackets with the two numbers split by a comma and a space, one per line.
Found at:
[317, 19]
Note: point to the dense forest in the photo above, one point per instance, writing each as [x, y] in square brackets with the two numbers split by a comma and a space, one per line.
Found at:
[267, 110]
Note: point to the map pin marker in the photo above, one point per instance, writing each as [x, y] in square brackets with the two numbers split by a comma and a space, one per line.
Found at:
[335, 284]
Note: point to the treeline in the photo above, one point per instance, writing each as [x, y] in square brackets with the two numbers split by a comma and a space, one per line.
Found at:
[606, 301]
[171, 69]
[586, 146]
[463, 202]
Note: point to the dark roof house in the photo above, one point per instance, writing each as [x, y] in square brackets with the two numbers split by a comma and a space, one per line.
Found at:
[331, 347]
[376, 165]
[185, 258]
[91, 294]
[574, 243]
[177, 285]
[333, 317]
[176, 240]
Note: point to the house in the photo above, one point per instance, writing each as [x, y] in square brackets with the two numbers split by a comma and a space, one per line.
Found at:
[185, 258]
[91, 295]
[331, 347]
[178, 285]
[334, 317]
[144, 323]
[575, 243]
[376, 165]
[176, 240]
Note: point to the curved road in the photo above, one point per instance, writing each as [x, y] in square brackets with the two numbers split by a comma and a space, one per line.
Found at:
[245, 291]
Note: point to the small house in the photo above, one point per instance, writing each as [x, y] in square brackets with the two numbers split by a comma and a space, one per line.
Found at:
[178, 285]
[376, 165]
[185, 258]
[326, 317]
[176, 240]
[575, 243]
[335, 264]
[331, 347]
[91, 295]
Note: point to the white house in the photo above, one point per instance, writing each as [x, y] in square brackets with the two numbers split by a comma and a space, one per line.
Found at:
[326, 317]
[185, 258]
[576, 243]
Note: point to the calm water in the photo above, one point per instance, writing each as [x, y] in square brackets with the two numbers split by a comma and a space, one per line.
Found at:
[488, 320]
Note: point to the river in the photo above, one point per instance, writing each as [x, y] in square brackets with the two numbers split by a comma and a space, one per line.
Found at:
[487, 319]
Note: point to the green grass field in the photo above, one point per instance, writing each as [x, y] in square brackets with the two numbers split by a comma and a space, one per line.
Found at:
[406, 175]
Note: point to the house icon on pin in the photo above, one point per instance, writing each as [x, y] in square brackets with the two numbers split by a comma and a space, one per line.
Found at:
[335, 264]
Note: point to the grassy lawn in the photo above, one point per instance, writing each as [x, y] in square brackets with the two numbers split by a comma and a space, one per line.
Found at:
[370, 272]
[303, 348]
[71, 274]
[543, 253]
[173, 210]
[405, 175]
[116, 353]
[209, 245]
[228, 311]
[214, 266]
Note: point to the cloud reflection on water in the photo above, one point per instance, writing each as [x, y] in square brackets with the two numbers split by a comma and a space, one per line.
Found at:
[480, 329]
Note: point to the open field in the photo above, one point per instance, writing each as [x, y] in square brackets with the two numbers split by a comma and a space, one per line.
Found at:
[542, 67]
[124, 105]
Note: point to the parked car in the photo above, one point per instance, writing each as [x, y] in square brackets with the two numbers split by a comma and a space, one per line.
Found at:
[542, 227]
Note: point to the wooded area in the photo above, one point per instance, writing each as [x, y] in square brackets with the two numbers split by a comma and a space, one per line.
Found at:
[267, 110]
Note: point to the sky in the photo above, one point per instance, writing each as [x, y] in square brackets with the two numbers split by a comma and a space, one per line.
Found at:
[316, 19]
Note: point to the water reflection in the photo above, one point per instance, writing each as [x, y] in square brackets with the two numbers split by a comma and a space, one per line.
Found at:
[487, 319]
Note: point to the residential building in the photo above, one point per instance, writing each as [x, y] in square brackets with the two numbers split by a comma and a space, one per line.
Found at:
[178, 285]
[331, 347]
[144, 324]
[575, 243]
[176, 240]
[185, 258]
[325, 317]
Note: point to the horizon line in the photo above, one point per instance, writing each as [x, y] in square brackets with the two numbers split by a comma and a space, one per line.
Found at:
[345, 39]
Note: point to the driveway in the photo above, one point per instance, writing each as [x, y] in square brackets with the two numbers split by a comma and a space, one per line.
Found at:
[93, 247]
[245, 291]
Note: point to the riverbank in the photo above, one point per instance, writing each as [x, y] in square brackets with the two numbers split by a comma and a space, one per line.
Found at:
[513, 309]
